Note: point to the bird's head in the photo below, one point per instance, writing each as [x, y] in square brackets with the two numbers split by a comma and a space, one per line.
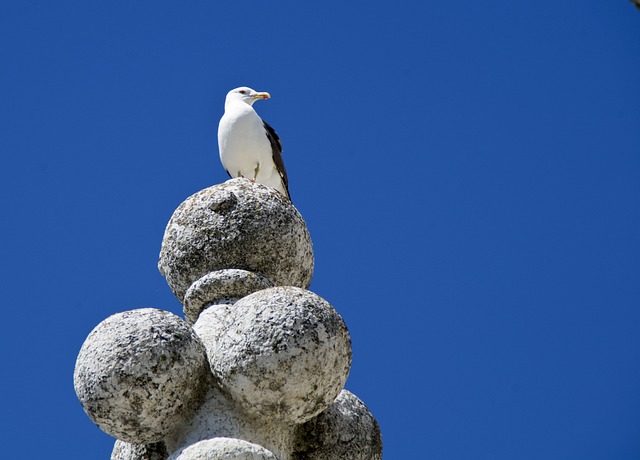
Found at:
[246, 95]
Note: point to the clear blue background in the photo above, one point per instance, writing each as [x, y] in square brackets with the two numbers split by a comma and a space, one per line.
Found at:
[469, 172]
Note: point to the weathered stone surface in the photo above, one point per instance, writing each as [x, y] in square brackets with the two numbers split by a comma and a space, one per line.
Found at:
[260, 374]
[224, 449]
[346, 430]
[219, 416]
[123, 450]
[140, 374]
[222, 286]
[238, 224]
[282, 353]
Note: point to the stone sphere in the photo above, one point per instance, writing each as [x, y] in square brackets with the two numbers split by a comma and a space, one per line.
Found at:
[345, 430]
[223, 449]
[238, 224]
[140, 374]
[281, 353]
[222, 286]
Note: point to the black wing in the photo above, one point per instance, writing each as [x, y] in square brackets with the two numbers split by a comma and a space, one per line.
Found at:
[276, 150]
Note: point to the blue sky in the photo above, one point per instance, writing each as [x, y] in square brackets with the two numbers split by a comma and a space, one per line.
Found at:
[469, 173]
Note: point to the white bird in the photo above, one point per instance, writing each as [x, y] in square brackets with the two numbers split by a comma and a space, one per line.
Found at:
[249, 147]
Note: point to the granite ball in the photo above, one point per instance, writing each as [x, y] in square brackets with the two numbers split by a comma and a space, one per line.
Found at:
[281, 353]
[140, 374]
[345, 430]
[239, 224]
[222, 286]
[224, 449]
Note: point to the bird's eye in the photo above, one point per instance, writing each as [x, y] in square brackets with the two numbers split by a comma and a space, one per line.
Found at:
[243, 91]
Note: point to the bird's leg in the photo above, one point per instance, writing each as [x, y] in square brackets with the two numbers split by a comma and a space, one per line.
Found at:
[256, 171]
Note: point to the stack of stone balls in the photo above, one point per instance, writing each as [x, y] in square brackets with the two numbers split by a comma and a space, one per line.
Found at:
[257, 368]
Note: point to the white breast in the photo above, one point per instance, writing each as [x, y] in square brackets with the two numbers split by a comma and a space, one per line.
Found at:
[242, 141]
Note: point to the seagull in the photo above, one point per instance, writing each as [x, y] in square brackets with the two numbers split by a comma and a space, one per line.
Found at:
[249, 146]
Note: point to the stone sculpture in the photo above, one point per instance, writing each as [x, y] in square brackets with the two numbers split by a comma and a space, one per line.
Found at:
[256, 369]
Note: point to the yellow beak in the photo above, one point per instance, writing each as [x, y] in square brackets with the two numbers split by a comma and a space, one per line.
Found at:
[263, 95]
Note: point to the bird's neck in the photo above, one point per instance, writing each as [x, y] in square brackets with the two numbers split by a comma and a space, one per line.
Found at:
[237, 106]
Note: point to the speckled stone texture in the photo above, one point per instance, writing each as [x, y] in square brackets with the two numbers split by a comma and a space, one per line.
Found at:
[222, 286]
[238, 224]
[140, 374]
[125, 451]
[256, 371]
[224, 449]
[219, 416]
[282, 353]
[346, 430]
